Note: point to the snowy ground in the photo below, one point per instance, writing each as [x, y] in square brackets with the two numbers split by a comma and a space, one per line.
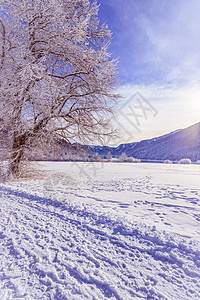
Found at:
[102, 231]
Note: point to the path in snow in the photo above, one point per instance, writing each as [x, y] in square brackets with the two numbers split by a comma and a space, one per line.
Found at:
[79, 245]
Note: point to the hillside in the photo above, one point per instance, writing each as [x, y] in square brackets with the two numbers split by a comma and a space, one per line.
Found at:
[175, 145]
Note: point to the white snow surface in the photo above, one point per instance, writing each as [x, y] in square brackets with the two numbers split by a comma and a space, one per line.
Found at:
[101, 231]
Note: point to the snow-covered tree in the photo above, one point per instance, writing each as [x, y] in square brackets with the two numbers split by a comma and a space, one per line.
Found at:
[168, 161]
[123, 157]
[185, 161]
[56, 75]
[109, 156]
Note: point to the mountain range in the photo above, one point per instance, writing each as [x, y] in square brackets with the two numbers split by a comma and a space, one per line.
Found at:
[182, 143]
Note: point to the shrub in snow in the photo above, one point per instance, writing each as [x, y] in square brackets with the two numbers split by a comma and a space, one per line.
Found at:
[125, 158]
[198, 162]
[97, 157]
[133, 160]
[185, 161]
[130, 159]
[137, 160]
[4, 172]
[168, 161]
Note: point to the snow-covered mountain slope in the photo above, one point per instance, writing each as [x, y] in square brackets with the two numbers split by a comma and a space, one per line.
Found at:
[101, 231]
[184, 143]
[175, 145]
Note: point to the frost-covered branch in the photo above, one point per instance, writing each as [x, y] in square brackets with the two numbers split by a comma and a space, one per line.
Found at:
[57, 77]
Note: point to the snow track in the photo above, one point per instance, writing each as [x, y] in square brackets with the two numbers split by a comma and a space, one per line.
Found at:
[53, 250]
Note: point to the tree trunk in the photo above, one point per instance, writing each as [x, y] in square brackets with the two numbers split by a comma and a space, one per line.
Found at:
[17, 153]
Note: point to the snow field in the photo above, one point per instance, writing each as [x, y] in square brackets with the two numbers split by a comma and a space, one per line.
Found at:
[119, 232]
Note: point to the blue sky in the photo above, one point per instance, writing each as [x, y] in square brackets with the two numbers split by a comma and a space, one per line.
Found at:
[157, 43]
